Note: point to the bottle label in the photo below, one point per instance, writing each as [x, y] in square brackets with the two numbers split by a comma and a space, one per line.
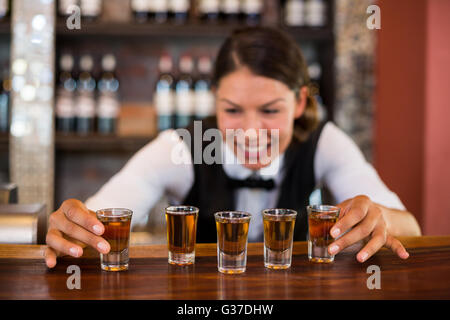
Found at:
[91, 7]
[179, 5]
[140, 5]
[184, 102]
[252, 6]
[85, 107]
[160, 5]
[108, 107]
[294, 13]
[204, 103]
[230, 6]
[209, 6]
[164, 102]
[64, 6]
[315, 13]
[64, 107]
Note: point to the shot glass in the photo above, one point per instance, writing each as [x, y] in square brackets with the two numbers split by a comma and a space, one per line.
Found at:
[117, 232]
[321, 218]
[232, 234]
[181, 234]
[278, 237]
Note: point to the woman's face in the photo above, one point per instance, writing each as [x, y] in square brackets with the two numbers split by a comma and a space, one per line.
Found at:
[247, 101]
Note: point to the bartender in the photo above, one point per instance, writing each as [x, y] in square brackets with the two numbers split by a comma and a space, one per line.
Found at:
[261, 84]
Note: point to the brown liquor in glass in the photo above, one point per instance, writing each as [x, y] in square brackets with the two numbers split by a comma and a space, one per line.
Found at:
[321, 219]
[232, 232]
[117, 223]
[181, 233]
[278, 237]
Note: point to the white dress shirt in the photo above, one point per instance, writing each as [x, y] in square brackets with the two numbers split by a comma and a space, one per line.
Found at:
[151, 172]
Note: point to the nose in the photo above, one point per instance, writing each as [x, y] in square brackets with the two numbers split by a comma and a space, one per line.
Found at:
[252, 126]
[252, 121]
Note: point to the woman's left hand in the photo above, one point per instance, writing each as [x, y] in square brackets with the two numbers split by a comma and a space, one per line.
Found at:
[366, 219]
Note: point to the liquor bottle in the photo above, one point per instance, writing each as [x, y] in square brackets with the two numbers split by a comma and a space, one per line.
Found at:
[209, 10]
[160, 9]
[203, 97]
[4, 9]
[108, 101]
[141, 10]
[179, 10]
[315, 13]
[230, 10]
[294, 13]
[64, 6]
[164, 93]
[5, 89]
[85, 101]
[91, 9]
[65, 108]
[184, 93]
[252, 10]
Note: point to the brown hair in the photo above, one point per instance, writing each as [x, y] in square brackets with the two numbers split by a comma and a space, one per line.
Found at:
[271, 53]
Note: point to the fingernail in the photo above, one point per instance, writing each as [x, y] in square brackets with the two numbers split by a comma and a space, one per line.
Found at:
[334, 249]
[97, 229]
[335, 232]
[405, 255]
[363, 256]
[73, 251]
[102, 246]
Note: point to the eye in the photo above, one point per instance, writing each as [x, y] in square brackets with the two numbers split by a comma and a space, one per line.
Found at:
[270, 111]
[231, 110]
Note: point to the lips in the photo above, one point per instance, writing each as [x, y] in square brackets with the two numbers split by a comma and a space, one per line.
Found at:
[253, 151]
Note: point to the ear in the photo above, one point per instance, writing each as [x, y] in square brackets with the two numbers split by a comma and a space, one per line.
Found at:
[301, 102]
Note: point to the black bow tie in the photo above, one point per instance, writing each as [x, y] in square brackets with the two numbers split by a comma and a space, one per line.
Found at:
[252, 183]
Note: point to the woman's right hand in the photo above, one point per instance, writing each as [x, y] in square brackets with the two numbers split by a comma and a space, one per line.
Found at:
[71, 228]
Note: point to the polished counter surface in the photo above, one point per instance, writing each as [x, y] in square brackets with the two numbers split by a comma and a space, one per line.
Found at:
[424, 275]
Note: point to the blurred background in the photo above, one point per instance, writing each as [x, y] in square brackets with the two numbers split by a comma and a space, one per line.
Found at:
[87, 83]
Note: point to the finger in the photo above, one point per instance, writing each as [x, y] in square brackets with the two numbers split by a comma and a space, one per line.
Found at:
[75, 231]
[50, 257]
[376, 243]
[56, 241]
[397, 247]
[361, 231]
[344, 206]
[354, 212]
[77, 212]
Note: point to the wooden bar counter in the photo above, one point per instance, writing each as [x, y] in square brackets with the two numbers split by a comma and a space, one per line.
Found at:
[425, 275]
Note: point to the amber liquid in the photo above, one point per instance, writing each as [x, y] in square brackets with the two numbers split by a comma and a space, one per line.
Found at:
[232, 236]
[181, 232]
[278, 233]
[117, 232]
[320, 225]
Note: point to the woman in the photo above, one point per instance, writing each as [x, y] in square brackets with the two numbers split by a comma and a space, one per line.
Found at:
[260, 82]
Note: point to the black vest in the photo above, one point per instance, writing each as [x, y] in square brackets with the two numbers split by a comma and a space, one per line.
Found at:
[211, 193]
